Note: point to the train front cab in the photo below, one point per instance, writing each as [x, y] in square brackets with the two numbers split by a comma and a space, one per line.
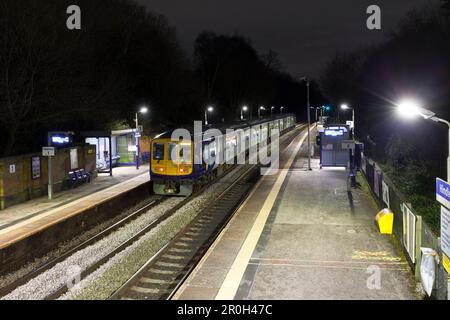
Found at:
[172, 169]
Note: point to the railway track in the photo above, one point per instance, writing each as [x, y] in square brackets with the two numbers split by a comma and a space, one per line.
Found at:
[164, 273]
[49, 264]
[86, 272]
[175, 260]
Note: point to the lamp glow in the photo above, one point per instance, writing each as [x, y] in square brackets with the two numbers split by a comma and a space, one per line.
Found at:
[143, 110]
[408, 109]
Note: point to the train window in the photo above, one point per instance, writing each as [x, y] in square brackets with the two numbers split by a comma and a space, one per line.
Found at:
[185, 153]
[158, 151]
[172, 151]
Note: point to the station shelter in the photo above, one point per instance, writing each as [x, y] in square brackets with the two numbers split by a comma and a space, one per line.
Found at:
[118, 148]
[332, 138]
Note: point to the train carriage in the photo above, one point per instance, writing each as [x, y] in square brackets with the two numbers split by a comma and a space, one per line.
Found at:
[175, 167]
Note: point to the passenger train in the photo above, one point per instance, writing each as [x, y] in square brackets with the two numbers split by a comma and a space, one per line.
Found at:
[175, 167]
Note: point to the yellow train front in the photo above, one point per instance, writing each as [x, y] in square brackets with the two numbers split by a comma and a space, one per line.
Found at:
[172, 166]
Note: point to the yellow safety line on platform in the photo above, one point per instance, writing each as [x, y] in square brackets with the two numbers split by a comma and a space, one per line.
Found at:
[231, 283]
[52, 211]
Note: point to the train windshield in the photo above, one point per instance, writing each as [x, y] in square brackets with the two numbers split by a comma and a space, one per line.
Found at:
[185, 153]
[172, 151]
[158, 151]
[180, 153]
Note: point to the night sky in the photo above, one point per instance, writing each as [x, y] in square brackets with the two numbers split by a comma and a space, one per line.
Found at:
[304, 33]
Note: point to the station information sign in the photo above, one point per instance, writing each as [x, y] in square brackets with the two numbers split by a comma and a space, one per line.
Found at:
[443, 192]
[48, 151]
[445, 230]
[348, 145]
[443, 196]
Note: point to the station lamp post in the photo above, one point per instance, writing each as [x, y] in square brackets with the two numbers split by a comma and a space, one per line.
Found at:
[243, 109]
[316, 109]
[271, 111]
[308, 110]
[346, 107]
[281, 110]
[262, 108]
[137, 135]
[209, 109]
[409, 109]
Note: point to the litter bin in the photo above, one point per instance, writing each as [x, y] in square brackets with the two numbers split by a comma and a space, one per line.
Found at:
[385, 221]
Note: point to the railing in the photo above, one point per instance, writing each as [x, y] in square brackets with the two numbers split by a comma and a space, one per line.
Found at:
[409, 228]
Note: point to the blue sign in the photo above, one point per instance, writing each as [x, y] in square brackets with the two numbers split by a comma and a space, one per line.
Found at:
[334, 133]
[443, 192]
[60, 140]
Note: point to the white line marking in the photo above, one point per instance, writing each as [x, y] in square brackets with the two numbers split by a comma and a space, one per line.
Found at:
[233, 279]
[211, 249]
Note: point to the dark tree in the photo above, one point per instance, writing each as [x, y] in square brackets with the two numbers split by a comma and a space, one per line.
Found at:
[52, 78]
[233, 74]
[446, 6]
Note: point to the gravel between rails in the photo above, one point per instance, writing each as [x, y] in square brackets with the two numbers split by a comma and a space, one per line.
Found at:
[52, 279]
[67, 245]
[91, 287]
[110, 277]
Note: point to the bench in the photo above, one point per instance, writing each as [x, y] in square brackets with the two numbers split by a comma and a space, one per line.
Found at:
[78, 177]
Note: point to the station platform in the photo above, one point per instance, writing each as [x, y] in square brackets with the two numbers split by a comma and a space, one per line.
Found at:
[301, 235]
[23, 221]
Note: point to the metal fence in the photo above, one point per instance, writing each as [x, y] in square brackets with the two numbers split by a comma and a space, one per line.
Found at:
[409, 229]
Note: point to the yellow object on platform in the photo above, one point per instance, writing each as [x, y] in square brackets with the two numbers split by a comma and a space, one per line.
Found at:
[446, 263]
[385, 221]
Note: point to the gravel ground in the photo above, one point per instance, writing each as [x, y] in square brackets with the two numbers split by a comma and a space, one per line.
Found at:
[122, 267]
[110, 276]
[51, 280]
[65, 246]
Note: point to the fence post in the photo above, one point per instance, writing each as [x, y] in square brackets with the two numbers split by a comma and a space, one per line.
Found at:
[418, 246]
[441, 277]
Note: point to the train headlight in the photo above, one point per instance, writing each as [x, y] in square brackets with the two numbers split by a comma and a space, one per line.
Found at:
[160, 169]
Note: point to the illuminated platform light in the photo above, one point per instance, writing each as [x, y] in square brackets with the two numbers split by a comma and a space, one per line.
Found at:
[408, 109]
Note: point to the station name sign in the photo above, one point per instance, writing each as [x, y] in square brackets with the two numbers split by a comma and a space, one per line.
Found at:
[443, 192]
[60, 140]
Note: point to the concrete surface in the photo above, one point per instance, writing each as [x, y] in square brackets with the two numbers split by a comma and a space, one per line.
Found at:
[323, 244]
[18, 213]
[319, 242]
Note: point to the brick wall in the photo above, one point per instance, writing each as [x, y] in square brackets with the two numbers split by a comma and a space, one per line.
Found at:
[17, 183]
